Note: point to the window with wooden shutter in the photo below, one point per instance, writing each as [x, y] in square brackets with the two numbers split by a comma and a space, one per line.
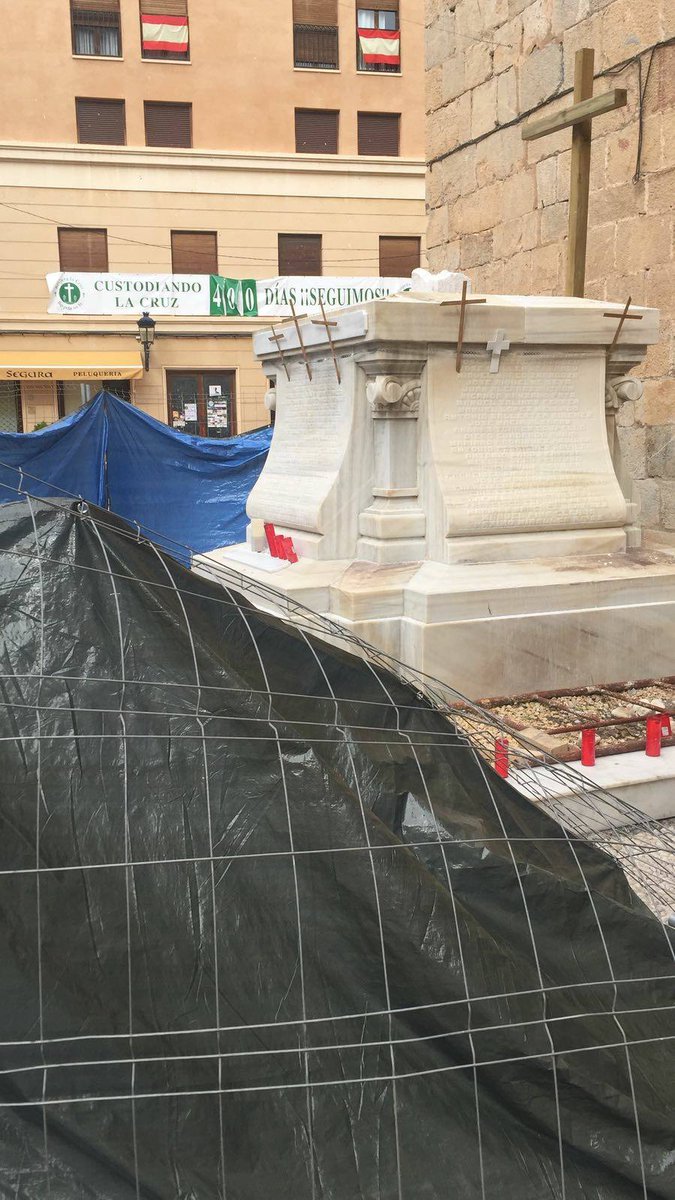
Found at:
[379, 133]
[194, 252]
[95, 26]
[300, 254]
[100, 122]
[83, 249]
[165, 29]
[315, 12]
[378, 36]
[316, 131]
[168, 124]
[399, 256]
[315, 34]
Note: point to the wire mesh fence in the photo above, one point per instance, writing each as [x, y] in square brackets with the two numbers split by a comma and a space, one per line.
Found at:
[273, 925]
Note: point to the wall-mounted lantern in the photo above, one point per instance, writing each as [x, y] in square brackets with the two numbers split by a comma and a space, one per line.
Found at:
[146, 336]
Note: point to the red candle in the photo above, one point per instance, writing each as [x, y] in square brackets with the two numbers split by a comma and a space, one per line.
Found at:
[588, 748]
[502, 757]
[653, 747]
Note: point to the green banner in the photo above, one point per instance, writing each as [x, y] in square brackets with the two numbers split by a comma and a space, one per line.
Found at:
[218, 297]
[240, 296]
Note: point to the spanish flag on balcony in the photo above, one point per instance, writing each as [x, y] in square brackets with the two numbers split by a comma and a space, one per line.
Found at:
[165, 33]
[381, 46]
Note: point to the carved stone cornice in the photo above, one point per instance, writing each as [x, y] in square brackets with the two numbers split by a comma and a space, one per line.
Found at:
[394, 395]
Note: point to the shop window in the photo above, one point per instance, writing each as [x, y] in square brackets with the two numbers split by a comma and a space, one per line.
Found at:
[73, 396]
[399, 256]
[100, 122]
[165, 30]
[10, 407]
[168, 124]
[315, 34]
[117, 387]
[194, 253]
[316, 131]
[38, 403]
[202, 402]
[95, 26]
[378, 37]
[300, 254]
[83, 249]
[379, 133]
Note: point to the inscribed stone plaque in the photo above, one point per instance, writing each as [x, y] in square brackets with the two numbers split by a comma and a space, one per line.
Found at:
[526, 449]
[310, 440]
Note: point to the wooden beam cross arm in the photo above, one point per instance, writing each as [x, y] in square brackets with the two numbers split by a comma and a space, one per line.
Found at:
[585, 110]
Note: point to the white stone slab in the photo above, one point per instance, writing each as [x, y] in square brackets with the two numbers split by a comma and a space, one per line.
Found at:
[647, 784]
[524, 450]
[259, 560]
[530, 320]
[315, 481]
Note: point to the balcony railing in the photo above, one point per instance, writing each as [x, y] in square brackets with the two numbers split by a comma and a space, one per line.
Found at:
[316, 46]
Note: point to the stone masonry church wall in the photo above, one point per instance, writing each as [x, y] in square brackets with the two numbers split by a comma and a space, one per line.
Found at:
[498, 206]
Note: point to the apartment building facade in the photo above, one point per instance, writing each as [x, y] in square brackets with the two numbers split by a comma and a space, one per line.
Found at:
[154, 154]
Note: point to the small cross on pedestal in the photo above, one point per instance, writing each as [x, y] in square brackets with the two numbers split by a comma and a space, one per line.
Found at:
[580, 116]
[621, 317]
[464, 303]
[496, 344]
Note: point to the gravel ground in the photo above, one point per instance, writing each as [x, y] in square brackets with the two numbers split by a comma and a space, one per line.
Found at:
[559, 711]
[648, 858]
[532, 713]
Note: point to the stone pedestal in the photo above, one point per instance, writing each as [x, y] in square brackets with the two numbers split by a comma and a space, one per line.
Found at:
[473, 523]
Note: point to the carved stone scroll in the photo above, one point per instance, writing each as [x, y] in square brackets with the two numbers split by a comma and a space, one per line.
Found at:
[394, 396]
[626, 387]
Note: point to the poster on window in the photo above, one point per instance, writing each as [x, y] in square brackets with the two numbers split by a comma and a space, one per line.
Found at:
[90, 293]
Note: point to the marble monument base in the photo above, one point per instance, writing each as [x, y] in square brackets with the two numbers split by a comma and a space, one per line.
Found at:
[494, 628]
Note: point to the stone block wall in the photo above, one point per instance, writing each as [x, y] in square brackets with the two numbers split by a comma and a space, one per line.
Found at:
[498, 206]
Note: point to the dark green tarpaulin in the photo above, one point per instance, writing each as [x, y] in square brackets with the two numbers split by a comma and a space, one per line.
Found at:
[271, 931]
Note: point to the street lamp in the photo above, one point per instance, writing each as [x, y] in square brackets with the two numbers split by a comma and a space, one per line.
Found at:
[146, 336]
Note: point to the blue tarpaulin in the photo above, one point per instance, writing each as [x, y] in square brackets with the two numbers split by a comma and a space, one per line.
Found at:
[66, 458]
[182, 490]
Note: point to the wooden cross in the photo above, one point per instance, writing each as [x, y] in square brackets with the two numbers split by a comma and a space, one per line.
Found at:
[621, 318]
[326, 324]
[464, 303]
[276, 337]
[302, 344]
[580, 116]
